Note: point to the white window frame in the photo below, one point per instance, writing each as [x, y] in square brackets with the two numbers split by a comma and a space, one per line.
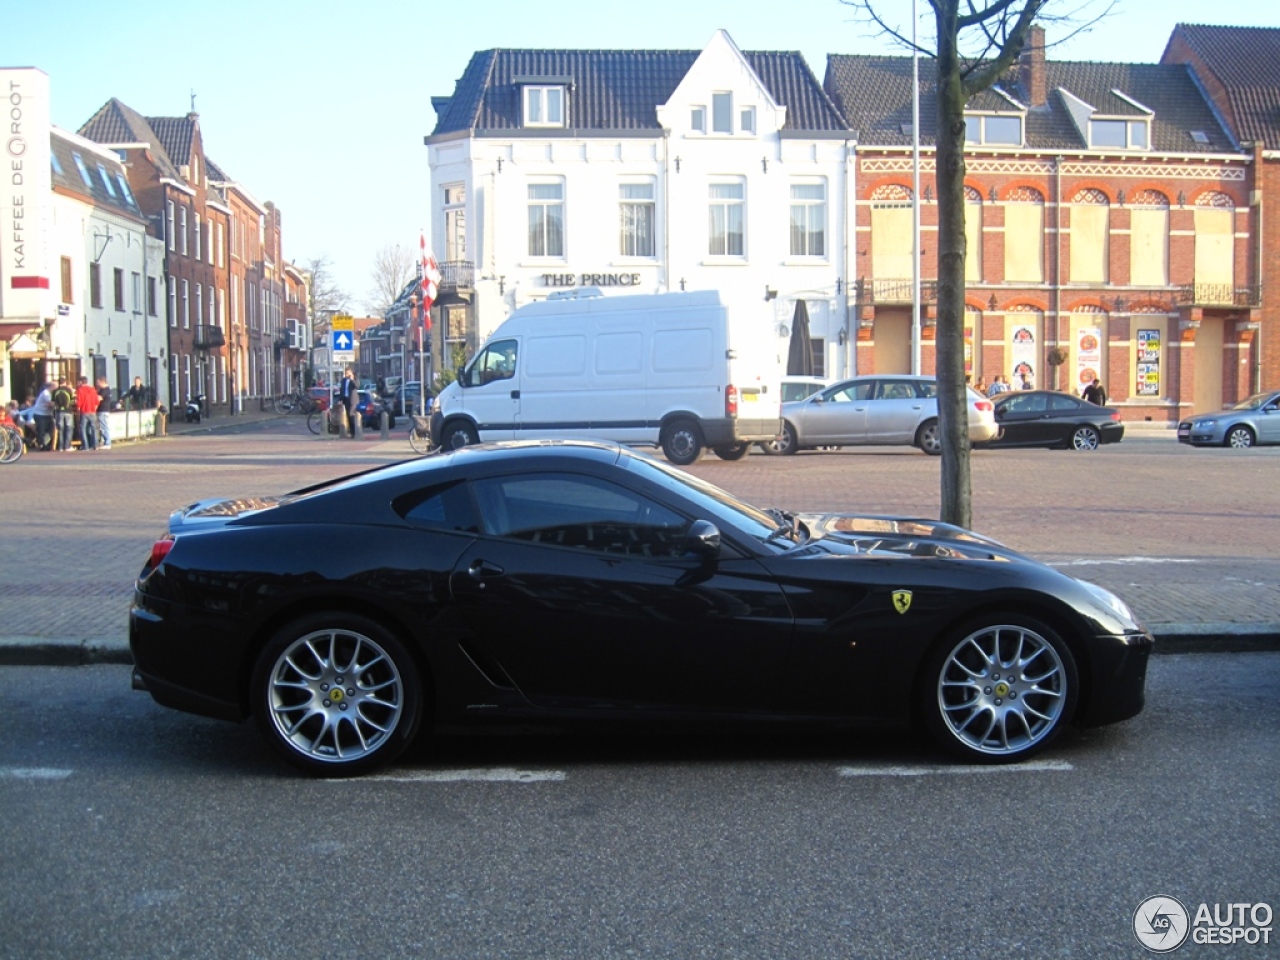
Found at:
[182, 226]
[698, 118]
[1130, 126]
[730, 208]
[455, 221]
[199, 224]
[539, 102]
[747, 119]
[186, 304]
[172, 238]
[631, 210]
[808, 205]
[173, 302]
[980, 121]
[546, 205]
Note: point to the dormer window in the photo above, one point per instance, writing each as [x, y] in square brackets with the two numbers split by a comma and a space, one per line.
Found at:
[1119, 134]
[544, 106]
[1002, 130]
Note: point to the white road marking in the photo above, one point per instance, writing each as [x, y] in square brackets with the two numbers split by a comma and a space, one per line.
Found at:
[490, 775]
[1033, 766]
[34, 773]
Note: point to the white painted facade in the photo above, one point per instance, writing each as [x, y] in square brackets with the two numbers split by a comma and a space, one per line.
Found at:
[689, 177]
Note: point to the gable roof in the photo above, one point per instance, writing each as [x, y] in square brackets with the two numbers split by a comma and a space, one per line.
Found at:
[614, 90]
[1246, 62]
[169, 139]
[874, 93]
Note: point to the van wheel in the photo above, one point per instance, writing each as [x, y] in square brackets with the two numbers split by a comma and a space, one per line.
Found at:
[929, 438]
[736, 452]
[458, 435]
[682, 442]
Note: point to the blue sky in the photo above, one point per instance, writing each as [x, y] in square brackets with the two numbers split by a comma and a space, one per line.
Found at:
[321, 108]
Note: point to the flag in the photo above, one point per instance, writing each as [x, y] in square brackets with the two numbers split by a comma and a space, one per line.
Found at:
[430, 276]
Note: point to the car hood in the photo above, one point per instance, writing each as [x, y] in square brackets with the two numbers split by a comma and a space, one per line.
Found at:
[903, 536]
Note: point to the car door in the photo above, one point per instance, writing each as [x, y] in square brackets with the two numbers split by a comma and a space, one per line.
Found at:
[896, 410]
[1268, 421]
[491, 390]
[837, 415]
[1024, 419]
[581, 590]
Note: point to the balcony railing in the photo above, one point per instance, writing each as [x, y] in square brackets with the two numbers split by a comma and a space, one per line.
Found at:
[209, 337]
[457, 275]
[1219, 295]
[895, 291]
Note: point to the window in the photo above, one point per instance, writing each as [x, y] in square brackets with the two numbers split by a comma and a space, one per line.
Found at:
[892, 242]
[124, 188]
[106, 181]
[808, 219]
[850, 392]
[66, 280]
[172, 229]
[993, 130]
[1090, 217]
[448, 508]
[544, 106]
[496, 362]
[1024, 236]
[638, 214]
[195, 170]
[546, 219]
[698, 119]
[199, 304]
[55, 163]
[95, 285]
[117, 289]
[584, 513]
[727, 214]
[455, 222]
[722, 113]
[198, 225]
[1149, 239]
[1121, 134]
[972, 235]
[152, 306]
[186, 305]
[173, 301]
[1215, 248]
[221, 239]
[182, 228]
[747, 119]
[84, 171]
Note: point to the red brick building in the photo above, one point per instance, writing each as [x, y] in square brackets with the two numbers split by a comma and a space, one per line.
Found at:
[1109, 221]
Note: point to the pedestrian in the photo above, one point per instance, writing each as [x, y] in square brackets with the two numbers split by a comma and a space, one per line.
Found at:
[1026, 383]
[64, 413]
[137, 395]
[998, 386]
[42, 416]
[982, 386]
[1095, 393]
[104, 414]
[350, 396]
[87, 401]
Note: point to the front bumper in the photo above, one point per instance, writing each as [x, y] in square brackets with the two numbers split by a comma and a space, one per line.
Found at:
[1116, 677]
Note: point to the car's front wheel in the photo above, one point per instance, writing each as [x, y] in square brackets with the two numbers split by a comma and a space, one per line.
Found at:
[1239, 437]
[929, 438]
[458, 435]
[1085, 438]
[999, 689]
[336, 694]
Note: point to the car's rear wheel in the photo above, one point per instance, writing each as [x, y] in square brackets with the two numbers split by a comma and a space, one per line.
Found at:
[459, 434]
[784, 444]
[1085, 438]
[336, 694]
[735, 452]
[1239, 437]
[929, 439]
[681, 442]
[999, 689]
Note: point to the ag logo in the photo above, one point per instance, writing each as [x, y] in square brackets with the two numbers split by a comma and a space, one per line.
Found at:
[902, 600]
[1161, 924]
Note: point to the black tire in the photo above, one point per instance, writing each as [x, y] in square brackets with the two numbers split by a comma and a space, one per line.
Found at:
[929, 438]
[736, 452]
[336, 694]
[457, 434]
[998, 689]
[1240, 437]
[1085, 438]
[783, 444]
[681, 442]
[316, 421]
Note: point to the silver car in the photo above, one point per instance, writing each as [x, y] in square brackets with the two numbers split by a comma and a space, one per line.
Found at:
[885, 409]
[1255, 420]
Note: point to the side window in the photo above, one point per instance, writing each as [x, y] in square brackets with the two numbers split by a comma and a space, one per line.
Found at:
[1064, 403]
[896, 390]
[496, 362]
[851, 392]
[926, 388]
[1026, 403]
[582, 512]
[446, 508]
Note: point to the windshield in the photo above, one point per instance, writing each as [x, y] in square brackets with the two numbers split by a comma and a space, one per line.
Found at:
[1253, 403]
[719, 503]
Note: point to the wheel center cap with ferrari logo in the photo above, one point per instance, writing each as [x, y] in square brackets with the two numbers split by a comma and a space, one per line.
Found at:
[336, 694]
[1002, 689]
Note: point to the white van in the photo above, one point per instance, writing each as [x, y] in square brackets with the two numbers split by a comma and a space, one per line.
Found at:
[670, 369]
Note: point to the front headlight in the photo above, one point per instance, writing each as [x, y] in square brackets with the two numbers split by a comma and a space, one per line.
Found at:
[1203, 424]
[1110, 601]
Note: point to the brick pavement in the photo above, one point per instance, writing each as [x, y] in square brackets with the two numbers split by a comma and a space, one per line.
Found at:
[1199, 565]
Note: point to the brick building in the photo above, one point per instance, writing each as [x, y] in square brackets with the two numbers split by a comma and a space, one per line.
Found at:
[1109, 225]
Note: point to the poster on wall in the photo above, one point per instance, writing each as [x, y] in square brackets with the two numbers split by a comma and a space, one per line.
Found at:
[1023, 357]
[1148, 363]
[1088, 356]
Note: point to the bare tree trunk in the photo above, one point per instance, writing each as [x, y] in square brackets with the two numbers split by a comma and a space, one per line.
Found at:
[953, 414]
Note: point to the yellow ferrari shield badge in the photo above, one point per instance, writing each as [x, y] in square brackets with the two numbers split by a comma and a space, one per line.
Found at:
[902, 600]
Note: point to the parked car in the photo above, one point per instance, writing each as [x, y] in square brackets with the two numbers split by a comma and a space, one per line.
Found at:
[1255, 420]
[1046, 418]
[794, 388]
[581, 580]
[881, 409]
[370, 406]
[405, 400]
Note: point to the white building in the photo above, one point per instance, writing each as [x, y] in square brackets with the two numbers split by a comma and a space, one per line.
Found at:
[643, 172]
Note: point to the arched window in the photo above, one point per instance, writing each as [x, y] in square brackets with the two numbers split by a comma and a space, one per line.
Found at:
[1024, 236]
[1149, 239]
[972, 235]
[1090, 223]
[1215, 248]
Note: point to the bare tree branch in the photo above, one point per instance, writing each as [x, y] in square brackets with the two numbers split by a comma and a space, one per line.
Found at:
[393, 267]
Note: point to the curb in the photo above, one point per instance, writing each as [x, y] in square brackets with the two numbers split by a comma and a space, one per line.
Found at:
[1171, 638]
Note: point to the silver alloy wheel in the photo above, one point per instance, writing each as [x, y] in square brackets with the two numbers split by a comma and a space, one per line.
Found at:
[1240, 437]
[335, 696]
[1002, 690]
[1085, 438]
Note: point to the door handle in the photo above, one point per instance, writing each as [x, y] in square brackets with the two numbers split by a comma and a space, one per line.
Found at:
[515, 394]
[483, 569]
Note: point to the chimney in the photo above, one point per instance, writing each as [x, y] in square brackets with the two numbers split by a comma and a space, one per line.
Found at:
[1031, 67]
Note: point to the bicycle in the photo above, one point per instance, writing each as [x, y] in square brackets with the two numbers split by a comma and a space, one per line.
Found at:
[12, 443]
[420, 434]
[297, 400]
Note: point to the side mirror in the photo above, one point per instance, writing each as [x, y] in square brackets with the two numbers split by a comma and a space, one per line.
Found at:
[702, 540]
[461, 376]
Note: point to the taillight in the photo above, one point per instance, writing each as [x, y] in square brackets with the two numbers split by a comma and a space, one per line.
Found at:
[159, 550]
[1116, 416]
[731, 401]
[983, 406]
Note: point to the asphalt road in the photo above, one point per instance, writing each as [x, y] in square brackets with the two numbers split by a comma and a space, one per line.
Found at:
[131, 831]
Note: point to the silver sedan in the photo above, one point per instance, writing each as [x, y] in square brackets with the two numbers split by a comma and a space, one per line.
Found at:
[1252, 421]
[881, 410]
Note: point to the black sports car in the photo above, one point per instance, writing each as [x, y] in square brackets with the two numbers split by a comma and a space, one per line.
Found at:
[566, 579]
[1046, 418]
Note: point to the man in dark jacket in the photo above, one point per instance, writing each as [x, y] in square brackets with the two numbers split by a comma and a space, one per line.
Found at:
[1095, 393]
[104, 414]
